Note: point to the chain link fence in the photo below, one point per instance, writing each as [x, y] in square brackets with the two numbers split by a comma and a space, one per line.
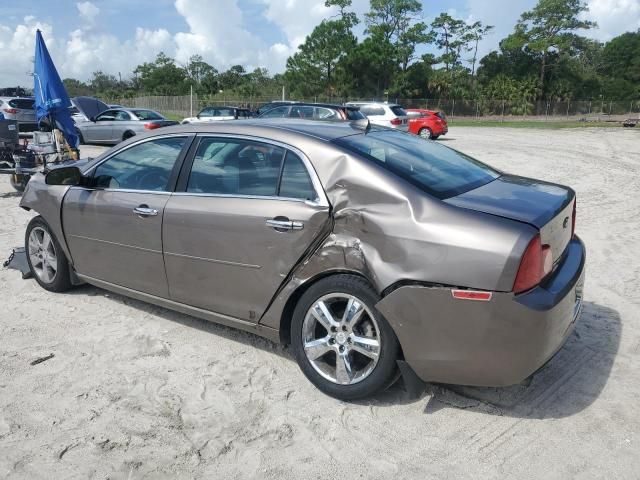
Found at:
[480, 109]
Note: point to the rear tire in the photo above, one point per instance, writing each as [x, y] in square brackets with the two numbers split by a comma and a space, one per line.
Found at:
[47, 261]
[345, 355]
[426, 133]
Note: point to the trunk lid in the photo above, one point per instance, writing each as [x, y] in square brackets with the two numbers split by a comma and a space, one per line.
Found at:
[546, 206]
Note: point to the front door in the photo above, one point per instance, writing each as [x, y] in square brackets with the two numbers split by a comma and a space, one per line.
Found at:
[114, 229]
[101, 129]
[240, 225]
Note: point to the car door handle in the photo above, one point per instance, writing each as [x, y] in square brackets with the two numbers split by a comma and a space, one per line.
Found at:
[145, 211]
[282, 224]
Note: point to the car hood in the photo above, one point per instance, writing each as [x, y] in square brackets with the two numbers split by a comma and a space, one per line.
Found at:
[89, 106]
[519, 198]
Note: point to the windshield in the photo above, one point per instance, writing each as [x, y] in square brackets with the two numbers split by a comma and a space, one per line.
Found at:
[438, 170]
[147, 115]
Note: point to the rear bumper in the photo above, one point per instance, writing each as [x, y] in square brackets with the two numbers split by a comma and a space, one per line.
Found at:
[496, 343]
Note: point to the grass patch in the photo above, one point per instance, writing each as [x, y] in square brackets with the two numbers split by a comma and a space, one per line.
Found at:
[172, 116]
[551, 124]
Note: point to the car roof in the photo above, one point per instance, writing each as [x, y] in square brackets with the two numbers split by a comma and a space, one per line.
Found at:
[325, 105]
[275, 128]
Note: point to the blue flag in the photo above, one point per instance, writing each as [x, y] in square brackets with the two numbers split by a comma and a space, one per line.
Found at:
[51, 97]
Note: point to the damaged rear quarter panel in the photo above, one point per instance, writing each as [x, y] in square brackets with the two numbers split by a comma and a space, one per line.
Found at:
[389, 231]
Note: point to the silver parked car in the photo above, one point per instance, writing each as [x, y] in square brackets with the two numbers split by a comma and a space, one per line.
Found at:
[117, 124]
[21, 109]
[366, 248]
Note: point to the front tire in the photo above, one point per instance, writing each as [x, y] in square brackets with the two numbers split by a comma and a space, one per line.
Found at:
[19, 181]
[127, 135]
[342, 344]
[47, 261]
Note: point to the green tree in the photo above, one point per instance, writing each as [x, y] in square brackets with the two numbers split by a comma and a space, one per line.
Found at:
[312, 69]
[161, 77]
[548, 31]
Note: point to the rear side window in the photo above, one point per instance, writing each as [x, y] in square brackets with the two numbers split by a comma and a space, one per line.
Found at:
[370, 110]
[323, 113]
[437, 170]
[278, 112]
[399, 111]
[146, 166]
[22, 103]
[301, 112]
[235, 167]
[147, 115]
[295, 181]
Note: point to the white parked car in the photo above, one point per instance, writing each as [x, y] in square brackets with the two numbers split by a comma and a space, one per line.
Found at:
[384, 114]
[215, 114]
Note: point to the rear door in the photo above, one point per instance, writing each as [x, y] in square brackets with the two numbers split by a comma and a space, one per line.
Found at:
[244, 214]
[114, 229]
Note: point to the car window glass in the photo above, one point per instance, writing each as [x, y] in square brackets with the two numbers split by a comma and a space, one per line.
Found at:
[322, 113]
[399, 111]
[301, 112]
[147, 115]
[122, 115]
[107, 116]
[436, 169]
[235, 167]
[278, 112]
[370, 110]
[145, 166]
[295, 182]
[207, 112]
[354, 114]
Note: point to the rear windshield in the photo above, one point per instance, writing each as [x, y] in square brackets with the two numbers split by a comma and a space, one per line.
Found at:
[147, 115]
[435, 169]
[354, 114]
[441, 115]
[22, 103]
[399, 111]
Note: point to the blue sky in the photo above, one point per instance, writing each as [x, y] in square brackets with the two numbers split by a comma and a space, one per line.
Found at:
[116, 35]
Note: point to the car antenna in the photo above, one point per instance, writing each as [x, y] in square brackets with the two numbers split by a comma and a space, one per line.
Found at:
[362, 123]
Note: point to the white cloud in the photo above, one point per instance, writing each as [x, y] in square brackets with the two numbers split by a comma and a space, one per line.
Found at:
[88, 11]
[614, 17]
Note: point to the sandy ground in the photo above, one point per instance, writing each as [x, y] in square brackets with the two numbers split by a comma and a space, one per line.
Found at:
[135, 391]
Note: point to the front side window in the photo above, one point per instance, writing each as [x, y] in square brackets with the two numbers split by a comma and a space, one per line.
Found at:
[145, 166]
[295, 181]
[107, 116]
[235, 167]
[436, 169]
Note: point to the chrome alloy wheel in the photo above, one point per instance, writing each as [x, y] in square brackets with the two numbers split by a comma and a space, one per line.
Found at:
[341, 338]
[42, 254]
[425, 133]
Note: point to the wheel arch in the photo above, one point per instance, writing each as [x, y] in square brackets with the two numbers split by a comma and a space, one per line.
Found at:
[286, 315]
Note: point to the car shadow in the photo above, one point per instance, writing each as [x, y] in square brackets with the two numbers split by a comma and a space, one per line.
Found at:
[571, 381]
[229, 333]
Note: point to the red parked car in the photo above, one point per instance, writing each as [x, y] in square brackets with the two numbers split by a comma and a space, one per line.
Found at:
[427, 123]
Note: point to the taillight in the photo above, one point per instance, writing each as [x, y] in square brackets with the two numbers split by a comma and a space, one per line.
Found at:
[151, 126]
[536, 263]
[396, 121]
[12, 111]
[573, 218]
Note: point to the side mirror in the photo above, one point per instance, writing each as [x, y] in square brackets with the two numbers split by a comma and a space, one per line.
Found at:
[92, 119]
[64, 176]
